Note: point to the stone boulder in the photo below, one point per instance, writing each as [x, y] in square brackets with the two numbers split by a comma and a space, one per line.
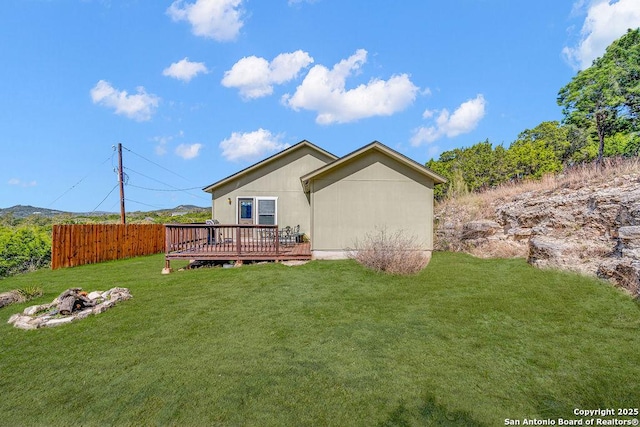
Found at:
[624, 272]
[545, 250]
[480, 229]
[49, 315]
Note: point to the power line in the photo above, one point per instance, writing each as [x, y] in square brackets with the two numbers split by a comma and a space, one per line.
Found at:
[144, 204]
[154, 163]
[82, 179]
[163, 189]
[105, 198]
[164, 183]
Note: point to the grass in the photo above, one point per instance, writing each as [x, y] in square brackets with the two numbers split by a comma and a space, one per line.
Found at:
[465, 342]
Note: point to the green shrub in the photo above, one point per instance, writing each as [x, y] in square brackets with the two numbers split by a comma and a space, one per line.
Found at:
[30, 292]
[23, 249]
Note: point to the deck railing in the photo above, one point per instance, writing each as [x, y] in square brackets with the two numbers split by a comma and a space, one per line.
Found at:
[239, 240]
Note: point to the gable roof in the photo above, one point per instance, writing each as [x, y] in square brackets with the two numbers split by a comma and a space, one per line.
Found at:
[377, 146]
[301, 144]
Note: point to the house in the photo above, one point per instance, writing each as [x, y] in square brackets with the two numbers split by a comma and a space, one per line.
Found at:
[336, 201]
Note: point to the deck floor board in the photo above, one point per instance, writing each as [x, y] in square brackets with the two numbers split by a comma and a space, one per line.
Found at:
[223, 252]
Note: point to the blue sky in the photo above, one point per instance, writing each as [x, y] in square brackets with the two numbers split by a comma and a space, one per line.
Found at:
[196, 90]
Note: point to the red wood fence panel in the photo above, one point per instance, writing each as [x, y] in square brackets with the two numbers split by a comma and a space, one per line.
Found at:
[80, 244]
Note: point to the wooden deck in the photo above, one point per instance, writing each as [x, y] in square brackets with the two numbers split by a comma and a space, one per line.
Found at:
[223, 242]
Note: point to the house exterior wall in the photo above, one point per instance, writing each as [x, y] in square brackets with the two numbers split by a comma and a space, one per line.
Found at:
[369, 192]
[279, 178]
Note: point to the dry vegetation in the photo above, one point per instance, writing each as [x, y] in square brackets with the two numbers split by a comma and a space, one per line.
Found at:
[479, 205]
[389, 252]
[465, 206]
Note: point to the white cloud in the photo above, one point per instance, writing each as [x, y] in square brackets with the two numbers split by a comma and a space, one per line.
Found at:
[20, 183]
[256, 76]
[251, 145]
[162, 141]
[323, 91]
[463, 120]
[428, 114]
[185, 70]
[140, 106]
[606, 21]
[220, 20]
[188, 151]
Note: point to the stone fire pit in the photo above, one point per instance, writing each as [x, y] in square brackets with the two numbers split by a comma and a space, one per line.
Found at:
[72, 304]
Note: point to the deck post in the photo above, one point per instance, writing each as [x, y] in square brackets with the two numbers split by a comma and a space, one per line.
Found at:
[167, 267]
[277, 242]
[238, 241]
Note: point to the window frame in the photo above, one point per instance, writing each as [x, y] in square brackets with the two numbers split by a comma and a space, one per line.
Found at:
[256, 208]
[275, 209]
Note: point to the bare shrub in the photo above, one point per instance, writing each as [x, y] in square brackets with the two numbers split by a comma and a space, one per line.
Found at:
[390, 252]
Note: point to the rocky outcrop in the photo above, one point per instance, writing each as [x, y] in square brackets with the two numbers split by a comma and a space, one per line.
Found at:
[55, 314]
[592, 229]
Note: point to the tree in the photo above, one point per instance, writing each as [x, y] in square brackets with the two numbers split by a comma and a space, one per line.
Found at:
[539, 151]
[607, 94]
[625, 53]
[470, 169]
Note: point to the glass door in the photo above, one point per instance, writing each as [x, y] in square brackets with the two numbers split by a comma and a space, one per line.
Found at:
[245, 211]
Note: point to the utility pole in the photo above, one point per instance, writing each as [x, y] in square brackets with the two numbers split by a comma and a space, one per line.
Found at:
[121, 181]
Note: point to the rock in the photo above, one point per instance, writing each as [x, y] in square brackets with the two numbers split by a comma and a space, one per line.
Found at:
[294, 263]
[622, 272]
[520, 233]
[7, 298]
[479, 229]
[30, 319]
[59, 321]
[84, 313]
[542, 249]
[629, 232]
[95, 295]
[25, 324]
[30, 311]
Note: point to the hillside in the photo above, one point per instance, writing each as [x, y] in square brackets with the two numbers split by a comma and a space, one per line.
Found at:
[585, 220]
[23, 211]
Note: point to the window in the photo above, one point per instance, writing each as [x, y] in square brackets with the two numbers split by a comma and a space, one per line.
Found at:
[257, 210]
[246, 208]
[266, 210]
[245, 211]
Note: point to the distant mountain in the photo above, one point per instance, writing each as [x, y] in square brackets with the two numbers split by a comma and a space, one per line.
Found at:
[189, 208]
[21, 211]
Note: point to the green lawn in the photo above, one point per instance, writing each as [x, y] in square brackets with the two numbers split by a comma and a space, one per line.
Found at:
[465, 342]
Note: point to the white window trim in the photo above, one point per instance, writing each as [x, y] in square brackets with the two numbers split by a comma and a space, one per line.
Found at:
[256, 199]
[275, 214]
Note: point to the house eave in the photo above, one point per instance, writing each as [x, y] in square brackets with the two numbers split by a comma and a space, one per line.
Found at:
[375, 145]
[249, 169]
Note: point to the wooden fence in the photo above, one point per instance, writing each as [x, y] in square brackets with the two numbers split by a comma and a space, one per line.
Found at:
[80, 244]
